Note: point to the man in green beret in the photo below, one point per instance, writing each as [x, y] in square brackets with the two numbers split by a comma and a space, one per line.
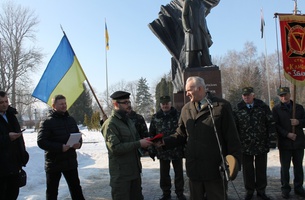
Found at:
[123, 143]
[290, 143]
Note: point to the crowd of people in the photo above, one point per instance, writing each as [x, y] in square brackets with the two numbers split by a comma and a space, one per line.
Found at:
[204, 133]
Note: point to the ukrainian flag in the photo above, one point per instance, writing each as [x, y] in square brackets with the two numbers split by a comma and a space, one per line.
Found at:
[63, 75]
[106, 37]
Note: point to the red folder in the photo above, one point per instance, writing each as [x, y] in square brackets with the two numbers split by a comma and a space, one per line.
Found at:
[157, 137]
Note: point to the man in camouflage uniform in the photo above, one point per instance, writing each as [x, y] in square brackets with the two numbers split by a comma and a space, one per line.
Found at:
[166, 121]
[139, 122]
[256, 129]
[141, 127]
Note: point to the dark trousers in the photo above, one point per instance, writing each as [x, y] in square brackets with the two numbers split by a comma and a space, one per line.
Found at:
[165, 179]
[127, 190]
[296, 156]
[9, 188]
[255, 172]
[213, 189]
[73, 182]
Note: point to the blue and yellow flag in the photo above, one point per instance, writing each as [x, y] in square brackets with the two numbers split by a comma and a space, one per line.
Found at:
[106, 37]
[63, 75]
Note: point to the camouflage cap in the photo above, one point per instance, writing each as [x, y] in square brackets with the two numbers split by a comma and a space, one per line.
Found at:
[165, 99]
[247, 90]
[283, 90]
[120, 95]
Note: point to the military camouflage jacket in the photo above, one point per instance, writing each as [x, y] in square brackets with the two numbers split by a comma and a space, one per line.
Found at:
[256, 127]
[166, 124]
[140, 124]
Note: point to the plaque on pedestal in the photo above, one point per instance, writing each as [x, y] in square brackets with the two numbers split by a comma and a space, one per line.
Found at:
[212, 79]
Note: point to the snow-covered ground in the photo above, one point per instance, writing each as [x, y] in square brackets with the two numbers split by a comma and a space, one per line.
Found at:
[92, 157]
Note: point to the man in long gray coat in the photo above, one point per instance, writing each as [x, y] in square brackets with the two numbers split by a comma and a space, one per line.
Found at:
[196, 130]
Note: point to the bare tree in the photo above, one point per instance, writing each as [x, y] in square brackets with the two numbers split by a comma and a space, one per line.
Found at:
[17, 59]
[241, 69]
[130, 87]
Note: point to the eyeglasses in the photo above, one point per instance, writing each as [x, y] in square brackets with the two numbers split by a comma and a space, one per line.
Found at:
[124, 102]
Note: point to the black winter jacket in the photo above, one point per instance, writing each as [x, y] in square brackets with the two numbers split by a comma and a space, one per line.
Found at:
[282, 116]
[53, 133]
[12, 153]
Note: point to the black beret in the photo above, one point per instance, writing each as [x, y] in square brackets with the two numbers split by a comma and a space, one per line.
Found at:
[247, 90]
[165, 99]
[120, 95]
[283, 90]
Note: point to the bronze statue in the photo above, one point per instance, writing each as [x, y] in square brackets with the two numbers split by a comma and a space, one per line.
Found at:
[168, 27]
[197, 36]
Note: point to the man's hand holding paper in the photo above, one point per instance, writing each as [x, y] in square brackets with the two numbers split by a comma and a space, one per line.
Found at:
[73, 140]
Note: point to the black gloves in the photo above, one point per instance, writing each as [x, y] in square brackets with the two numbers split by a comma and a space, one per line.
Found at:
[152, 152]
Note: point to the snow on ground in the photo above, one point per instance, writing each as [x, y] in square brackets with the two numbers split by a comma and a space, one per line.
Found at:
[92, 157]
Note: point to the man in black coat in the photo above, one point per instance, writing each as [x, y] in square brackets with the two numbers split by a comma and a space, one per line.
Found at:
[12, 150]
[60, 158]
[290, 143]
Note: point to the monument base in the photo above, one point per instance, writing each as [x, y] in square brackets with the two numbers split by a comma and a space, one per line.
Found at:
[212, 79]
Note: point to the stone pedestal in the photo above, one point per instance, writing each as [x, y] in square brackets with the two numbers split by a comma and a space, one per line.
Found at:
[212, 79]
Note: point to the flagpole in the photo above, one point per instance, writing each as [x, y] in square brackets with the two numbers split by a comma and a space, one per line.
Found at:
[267, 67]
[266, 62]
[294, 96]
[107, 92]
[104, 114]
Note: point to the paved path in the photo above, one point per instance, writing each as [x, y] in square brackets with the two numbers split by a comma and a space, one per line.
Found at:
[99, 189]
[236, 190]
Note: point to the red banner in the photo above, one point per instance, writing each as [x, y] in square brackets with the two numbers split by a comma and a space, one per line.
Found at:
[293, 47]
